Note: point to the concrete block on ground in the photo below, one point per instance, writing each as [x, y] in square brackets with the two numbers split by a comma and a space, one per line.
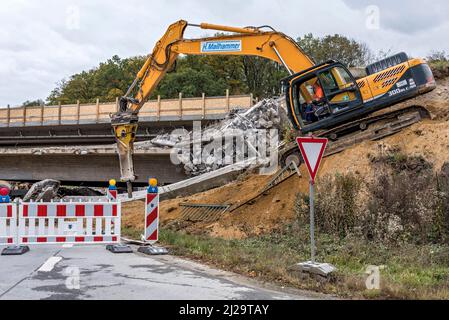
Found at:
[197, 184]
[321, 269]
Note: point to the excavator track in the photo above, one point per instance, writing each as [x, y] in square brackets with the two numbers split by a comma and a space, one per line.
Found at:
[366, 129]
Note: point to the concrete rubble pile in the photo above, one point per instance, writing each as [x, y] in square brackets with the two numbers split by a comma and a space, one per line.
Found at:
[226, 142]
[48, 190]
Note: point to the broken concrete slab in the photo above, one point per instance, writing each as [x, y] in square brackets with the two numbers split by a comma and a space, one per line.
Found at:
[197, 184]
[45, 191]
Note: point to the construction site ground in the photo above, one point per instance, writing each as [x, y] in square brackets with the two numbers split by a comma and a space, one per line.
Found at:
[268, 213]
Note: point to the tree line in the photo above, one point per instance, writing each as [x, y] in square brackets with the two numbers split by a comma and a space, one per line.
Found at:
[194, 75]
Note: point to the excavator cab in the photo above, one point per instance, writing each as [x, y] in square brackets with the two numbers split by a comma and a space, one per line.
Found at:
[319, 96]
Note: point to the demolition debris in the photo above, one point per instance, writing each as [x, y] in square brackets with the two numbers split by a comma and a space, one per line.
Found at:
[242, 135]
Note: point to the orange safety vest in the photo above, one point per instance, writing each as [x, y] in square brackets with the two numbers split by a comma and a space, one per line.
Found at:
[319, 94]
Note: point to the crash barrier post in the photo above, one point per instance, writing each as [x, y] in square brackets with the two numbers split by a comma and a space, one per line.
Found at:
[151, 234]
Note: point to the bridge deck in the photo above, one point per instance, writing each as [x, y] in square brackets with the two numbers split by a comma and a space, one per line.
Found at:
[90, 124]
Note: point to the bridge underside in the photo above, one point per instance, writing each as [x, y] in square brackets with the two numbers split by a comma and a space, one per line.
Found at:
[91, 169]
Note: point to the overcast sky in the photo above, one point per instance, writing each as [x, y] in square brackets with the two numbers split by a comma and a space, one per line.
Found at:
[42, 42]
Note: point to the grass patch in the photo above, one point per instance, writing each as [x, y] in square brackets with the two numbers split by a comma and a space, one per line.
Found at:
[131, 233]
[440, 68]
[411, 271]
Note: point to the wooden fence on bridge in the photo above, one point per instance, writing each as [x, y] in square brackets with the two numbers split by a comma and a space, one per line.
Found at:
[154, 110]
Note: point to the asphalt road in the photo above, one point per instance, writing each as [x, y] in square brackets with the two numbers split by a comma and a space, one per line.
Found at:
[92, 272]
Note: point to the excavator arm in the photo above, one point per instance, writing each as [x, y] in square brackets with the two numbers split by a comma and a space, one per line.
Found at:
[249, 41]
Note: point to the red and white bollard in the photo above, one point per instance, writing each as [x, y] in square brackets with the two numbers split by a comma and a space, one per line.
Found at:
[152, 213]
[151, 234]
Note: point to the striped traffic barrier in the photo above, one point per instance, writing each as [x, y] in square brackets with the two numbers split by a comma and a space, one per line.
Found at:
[62, 222]
[151, 235]
[152, 213]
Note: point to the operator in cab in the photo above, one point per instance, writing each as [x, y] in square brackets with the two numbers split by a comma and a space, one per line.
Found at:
[316, 109]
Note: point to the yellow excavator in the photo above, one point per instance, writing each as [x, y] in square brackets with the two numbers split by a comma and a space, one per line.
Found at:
[323, 99]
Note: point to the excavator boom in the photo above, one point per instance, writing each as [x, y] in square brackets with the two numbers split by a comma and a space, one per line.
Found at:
[250, 41]
[271, 45]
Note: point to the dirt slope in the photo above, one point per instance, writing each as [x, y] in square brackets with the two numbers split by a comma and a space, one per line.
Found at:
[429, 138]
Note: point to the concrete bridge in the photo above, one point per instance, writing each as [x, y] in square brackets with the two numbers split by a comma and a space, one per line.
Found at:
[75, 143]
[90, 123]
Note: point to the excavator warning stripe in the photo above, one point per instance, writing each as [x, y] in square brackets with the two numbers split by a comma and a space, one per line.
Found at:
[389, 73]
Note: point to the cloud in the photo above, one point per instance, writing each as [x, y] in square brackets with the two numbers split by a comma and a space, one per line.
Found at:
[42, 42]
[409, 17]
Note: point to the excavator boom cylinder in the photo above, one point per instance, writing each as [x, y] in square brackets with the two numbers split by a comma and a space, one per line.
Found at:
[209, 26]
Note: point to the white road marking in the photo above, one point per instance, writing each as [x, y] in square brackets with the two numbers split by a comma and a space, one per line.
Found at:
[49, 264]
[67, 245]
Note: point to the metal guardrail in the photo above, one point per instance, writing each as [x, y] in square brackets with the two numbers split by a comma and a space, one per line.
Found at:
[202, 212]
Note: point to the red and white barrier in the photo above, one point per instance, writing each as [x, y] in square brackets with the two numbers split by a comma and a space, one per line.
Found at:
[152, 215]
[62, 222]
[8, 223]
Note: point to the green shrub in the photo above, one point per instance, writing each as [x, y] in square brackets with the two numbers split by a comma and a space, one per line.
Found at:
[440, 69]
[336, 208]
[405, 203]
